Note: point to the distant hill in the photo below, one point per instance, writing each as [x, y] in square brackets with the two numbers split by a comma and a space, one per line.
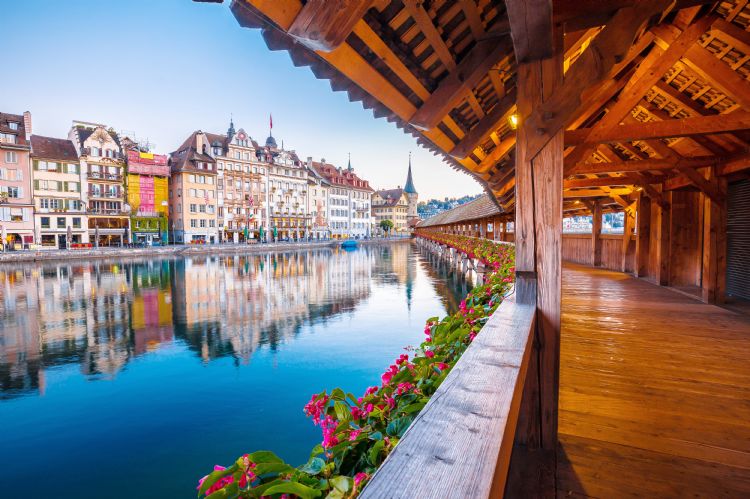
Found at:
[431, 207]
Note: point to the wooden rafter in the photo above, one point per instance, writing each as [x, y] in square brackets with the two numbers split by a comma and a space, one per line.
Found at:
[645, 165]
[324, 24]
[644, 79]
[702, 125]
[530, 28]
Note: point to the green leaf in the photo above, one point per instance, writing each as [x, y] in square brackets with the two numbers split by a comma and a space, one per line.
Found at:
[376, 436]
[341, 483]
[293, 488]
[398, 426]
[264, 456]
[352, 398]
[342, 411]
[214, 477]
[314, 466]
[338, 394]
[415, 407]
[335, 494]
[317, 450]
[375, 451]
[260, 490]
[265, 468]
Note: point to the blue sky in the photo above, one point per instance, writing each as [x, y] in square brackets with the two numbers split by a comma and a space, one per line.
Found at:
[163, 68]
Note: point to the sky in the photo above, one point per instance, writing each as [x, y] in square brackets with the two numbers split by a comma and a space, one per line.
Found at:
[164, 68]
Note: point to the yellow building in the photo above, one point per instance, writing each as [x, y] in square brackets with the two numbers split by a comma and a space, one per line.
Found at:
[393, 205]
[147, 186]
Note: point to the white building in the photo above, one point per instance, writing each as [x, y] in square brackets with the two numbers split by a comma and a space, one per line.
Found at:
[349, 200]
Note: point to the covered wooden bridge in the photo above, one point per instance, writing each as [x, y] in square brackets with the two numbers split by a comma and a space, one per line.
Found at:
[559, 108]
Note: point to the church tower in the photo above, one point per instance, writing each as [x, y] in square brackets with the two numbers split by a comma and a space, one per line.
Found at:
[411, 194]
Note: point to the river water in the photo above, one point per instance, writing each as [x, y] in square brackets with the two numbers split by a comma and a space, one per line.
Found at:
[133, 378]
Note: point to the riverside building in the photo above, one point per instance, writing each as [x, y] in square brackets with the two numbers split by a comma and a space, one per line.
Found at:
[240, 185]
[192, 192]
[103, 166]
[349, 201]
[16, 207]
[147, 185]
[398, 205]
[60, 219]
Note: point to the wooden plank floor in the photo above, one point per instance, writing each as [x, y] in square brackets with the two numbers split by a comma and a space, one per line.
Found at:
[654, 391]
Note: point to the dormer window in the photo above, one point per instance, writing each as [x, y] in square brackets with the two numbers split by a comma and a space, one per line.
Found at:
[13, 125]
[217, 151]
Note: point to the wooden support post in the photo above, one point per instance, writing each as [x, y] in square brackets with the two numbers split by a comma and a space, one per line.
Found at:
[661, 244]
[505, 231]
[538, 233]
[596, 233]
[713, 275]
[627, 235]
[643, 220]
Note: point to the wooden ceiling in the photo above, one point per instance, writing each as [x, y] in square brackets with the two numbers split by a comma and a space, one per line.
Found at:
[656, 91]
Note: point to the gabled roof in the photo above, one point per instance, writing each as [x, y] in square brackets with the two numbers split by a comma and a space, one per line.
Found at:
[6, 119]
[52, 148]
[187, 154]
[390, 197]
[341, 177]
[478, 208]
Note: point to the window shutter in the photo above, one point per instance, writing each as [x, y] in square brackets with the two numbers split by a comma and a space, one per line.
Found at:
[36, 165]
[20, 192]
[26, 212]
[36, 185]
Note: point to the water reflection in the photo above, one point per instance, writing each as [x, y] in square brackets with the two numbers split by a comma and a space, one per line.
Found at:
[101, 315]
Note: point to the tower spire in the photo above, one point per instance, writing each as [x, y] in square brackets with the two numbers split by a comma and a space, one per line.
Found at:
[230, 131]
[409, 186]
[349, 164]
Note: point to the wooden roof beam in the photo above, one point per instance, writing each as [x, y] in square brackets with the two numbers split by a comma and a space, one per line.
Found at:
[709, 189]
[593, 66]
[530, 29]
[737, 121]
[324, 24]
[644, 165]
[499, 115]
[719, 74]
[644, 79]
[597, 182]
[457, 86]
[595, 193]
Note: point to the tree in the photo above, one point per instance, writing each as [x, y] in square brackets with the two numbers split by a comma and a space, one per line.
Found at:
[386, 225]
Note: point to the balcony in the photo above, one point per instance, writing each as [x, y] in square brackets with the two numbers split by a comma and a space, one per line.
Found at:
[112, 177]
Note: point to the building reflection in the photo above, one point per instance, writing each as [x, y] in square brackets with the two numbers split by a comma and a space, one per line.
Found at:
[102, 315]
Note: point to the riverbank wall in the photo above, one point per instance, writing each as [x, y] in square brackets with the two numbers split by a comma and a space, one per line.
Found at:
[176, 251]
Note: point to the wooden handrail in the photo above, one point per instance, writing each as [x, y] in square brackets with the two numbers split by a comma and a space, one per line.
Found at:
[460, 444]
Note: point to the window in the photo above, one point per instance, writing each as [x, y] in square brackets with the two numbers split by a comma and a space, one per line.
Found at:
[8, 137]
[60, 222]
[193, 223]
[14, 192]
[45, 222]
[13, 125]
[11, 157]
[212, 223]
[193, 208]
[95, 151]
[191, 178]
[203, 223]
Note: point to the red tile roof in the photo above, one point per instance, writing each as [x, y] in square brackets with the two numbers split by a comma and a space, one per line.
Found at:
[52, 148]
[341, 177]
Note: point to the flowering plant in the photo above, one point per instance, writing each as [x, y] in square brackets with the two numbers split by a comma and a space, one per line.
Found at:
[359, 432]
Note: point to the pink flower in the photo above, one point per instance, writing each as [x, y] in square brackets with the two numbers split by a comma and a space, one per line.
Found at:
[472, 335]
[471, 311]
[429, 354]
[315, 407]
[402, 358]
[371, 390]
[359, 478]
[354, 434]
[219, 484]
[442, 366]
[329, 436]
[356, 413]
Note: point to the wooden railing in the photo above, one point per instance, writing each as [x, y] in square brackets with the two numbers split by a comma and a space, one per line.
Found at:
[578, 248]
[460, 445]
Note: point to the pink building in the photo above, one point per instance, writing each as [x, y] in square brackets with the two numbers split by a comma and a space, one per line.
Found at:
[16, 206]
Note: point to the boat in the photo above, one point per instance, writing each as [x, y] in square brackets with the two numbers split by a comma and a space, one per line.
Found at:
[349, 244]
